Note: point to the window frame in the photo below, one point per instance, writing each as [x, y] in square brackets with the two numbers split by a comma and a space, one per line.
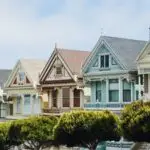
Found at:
[118, 96]
[104, 55]
[59, 70]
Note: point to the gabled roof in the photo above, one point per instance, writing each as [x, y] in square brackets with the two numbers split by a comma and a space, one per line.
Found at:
[33, 67]
[126, 50]
[4, 73]
[74, 59]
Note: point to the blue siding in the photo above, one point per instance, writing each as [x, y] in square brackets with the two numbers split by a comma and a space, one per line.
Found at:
[102, 50]
[103, 91]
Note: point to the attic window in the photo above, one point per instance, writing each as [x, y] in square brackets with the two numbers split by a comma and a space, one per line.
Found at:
[58, 70]
[104, 61]
[21, 76]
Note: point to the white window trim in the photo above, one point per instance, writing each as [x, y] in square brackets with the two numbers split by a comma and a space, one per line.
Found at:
[104, 68]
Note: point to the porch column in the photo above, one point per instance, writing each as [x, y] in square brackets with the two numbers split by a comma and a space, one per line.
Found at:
[60, 98]
[139, 86]
[50, 99]
[107, 90]
[132, 92]
[120, 90]
[71, 97]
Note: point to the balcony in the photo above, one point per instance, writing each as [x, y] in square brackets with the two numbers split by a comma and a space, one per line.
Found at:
[109, 105]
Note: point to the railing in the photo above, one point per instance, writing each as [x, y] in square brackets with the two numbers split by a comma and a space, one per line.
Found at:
[104, 105]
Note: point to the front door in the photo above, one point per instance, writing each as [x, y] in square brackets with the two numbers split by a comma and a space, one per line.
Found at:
[27, 105]
[18, 105]
[54, 98]
[76, 98]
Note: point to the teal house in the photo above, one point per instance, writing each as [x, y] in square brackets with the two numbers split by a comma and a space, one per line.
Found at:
[110, 72]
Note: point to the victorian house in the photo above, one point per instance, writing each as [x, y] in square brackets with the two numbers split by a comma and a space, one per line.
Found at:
[61, 79]
[4, 73]
[22, 88]
[143, 65]
[110, 72]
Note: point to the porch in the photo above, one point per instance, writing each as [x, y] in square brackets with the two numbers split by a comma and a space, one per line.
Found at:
[62, 99]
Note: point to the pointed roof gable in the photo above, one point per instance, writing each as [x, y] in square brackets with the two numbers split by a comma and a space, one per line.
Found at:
[72, 59]
[32, 67]
[144, 51]
[126, 50]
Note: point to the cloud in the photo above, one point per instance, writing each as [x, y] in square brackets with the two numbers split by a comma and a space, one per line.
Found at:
[30, 28]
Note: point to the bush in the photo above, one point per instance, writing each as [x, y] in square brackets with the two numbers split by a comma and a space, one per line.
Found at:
[86, 128]
[135, 121]
[33, 133]
[4, 128]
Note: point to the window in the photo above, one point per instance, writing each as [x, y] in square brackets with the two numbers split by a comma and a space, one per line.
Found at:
[98, 91]
[104, 61]
[66, 97]
[113, 95]
[58, 70]
[126, 95]
[21, 76]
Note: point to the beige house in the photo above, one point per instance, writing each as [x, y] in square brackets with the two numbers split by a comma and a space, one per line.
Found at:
[143, 65]
[61, 79]
[22, 87]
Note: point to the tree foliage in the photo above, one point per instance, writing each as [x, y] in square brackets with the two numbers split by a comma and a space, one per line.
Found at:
[135, 121]
[4, 143]
[86, 128]
[33, 133]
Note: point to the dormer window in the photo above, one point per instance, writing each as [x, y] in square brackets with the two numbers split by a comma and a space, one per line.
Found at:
[21, 76]
[58, 70]
[104, 61]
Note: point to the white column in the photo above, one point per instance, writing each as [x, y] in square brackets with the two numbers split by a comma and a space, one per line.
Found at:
[107, 90]
[132, 92]
[139, 85]
[120, 90]
[71, 97]
[50, 99]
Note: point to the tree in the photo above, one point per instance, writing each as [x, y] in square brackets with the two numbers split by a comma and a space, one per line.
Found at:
[135, 121]
[86, 128]
[34, 133]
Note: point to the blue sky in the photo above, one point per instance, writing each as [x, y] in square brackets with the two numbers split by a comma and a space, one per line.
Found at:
[30, 28]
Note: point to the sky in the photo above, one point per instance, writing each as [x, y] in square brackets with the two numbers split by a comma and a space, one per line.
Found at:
[30, 28]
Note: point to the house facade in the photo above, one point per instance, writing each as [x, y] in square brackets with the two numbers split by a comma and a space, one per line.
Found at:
[143, 65]
[4, 73]
[110, 73]
[61, 79]
[22, 88]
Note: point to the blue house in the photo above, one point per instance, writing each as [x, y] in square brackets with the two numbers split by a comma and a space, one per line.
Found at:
[110, 72]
